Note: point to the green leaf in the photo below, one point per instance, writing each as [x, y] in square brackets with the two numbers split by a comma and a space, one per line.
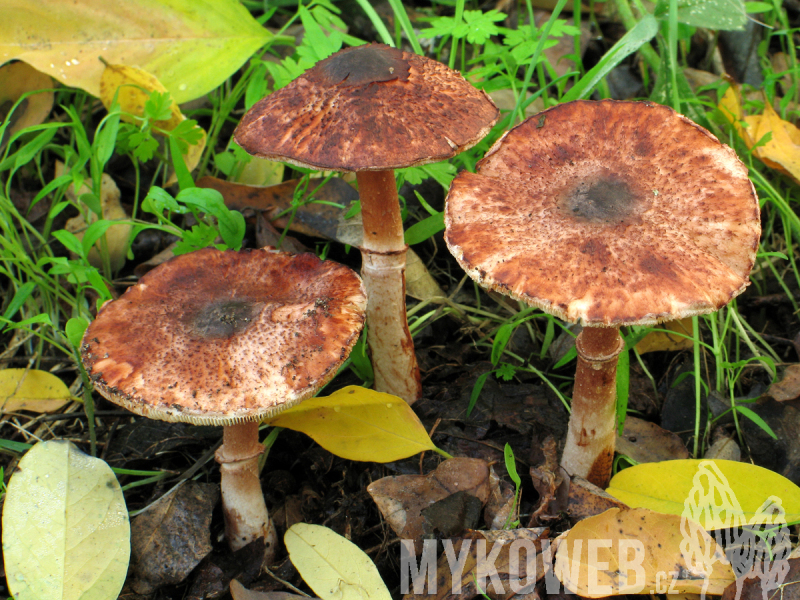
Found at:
[333, 566]
[66, 534]
[22, 294]
[75, 328]
[511, 465]
[359, 424]
[419, 232]
[727, 15]
[191, 46]
[644, 31]
[720, 493]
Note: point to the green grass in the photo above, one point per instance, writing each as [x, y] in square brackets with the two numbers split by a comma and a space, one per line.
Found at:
[49, 295]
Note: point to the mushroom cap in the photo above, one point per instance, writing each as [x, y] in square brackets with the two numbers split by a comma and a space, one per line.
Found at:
[368, 108]
[217, 338]
[607, 213]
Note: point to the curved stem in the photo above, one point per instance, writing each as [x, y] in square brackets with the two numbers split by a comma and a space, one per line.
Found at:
[589, 450]
[243, 506]
[383, 251]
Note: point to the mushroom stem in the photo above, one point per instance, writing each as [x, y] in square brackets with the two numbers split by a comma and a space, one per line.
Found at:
[243, 506]
[383, 252]
[589, 449]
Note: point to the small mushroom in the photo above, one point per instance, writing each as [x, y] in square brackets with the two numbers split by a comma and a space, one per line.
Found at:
[606, 213]
[227, 338]
[372, 109]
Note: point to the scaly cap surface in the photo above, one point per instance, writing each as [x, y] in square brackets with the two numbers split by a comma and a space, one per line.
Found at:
[217, 337]
[370, 108]
[607, 213]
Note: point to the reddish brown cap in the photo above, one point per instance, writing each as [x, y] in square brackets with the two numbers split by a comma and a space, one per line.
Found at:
[217, 337]
[608, 213]
[368, 108]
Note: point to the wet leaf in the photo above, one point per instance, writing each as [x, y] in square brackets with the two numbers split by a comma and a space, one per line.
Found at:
[65, 527]
[30, 389]
[402, 499]
[170, 538]
[191, 46]
[720, 492]
[359, 424]
[780, 150]
[639, 551]
[334, 567]
[15, 80]
[132, 88]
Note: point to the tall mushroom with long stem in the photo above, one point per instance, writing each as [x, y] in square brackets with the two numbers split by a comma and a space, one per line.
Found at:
[372, 109]
[606, 213]
[227, 338]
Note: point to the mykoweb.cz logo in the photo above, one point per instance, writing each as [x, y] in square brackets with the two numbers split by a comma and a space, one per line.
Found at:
[504, 562]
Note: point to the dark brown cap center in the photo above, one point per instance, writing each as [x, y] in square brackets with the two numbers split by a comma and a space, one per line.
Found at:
[604, 199]
[224, 319]
[360, 66]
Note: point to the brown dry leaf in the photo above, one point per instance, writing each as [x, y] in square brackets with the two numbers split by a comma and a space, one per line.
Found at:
[501, 563]
[116, 236]
[788, 388]
[644, 441]
[239, 592]
[500, 502]
[402, 499]
[775, 580]
[170, 538]
[587, 500]
[660, 341]
[133, 87]
[640, 551]
[782, 151]
[15, 80]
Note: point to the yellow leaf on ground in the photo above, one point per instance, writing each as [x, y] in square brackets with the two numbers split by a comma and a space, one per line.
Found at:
[66, 534]
[662, 341]
[15, 80]
[192, 46]
[359, 424]
[29, 389]
[782, 151]
[638, 551]
[116, 236]
[717, 493]
[134, 87]
[334, 567]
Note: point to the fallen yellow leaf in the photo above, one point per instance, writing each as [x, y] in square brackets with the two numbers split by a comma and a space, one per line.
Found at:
[639, 551]
[133, 87]
[15, 80]
[116, 236]
[333, 566]
[719, 493]
[30, 389]
[656, 341]
[359, 424]
[782, 151]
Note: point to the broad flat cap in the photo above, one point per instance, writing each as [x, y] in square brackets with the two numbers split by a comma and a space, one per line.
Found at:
[608, 213]
[368, 108]
[217, 337]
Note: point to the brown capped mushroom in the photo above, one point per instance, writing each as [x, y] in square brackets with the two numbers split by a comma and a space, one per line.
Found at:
[227, 338]
[372, 109]
[606, 213]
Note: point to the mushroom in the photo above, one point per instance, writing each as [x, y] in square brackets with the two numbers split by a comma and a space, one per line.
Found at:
[372, 109]
[227, 338]
[606, 213]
